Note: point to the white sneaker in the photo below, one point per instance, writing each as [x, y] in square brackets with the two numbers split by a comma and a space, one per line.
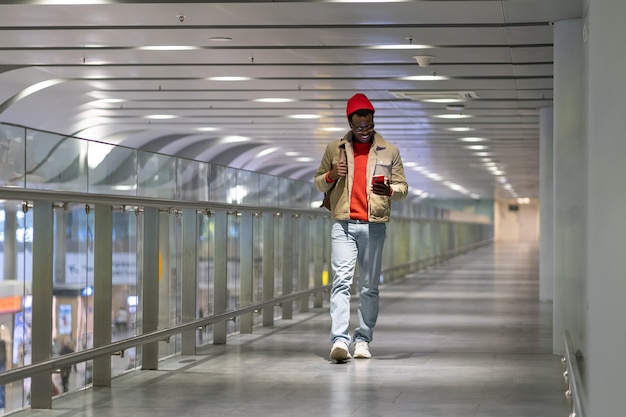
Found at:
[362, 350]
[339, 352]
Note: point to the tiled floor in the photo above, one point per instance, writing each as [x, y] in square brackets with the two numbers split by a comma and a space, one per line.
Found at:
[466, 339]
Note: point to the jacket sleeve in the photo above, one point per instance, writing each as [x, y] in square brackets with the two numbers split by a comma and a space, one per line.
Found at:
[398, 179]
[325, 165]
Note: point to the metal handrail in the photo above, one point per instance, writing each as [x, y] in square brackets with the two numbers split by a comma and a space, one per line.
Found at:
[128, 200]
[155, 336]
[576, 389]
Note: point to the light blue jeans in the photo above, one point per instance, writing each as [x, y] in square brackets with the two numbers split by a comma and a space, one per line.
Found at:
[355, 241]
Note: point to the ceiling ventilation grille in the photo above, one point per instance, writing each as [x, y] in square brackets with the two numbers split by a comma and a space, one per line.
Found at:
[429, 95]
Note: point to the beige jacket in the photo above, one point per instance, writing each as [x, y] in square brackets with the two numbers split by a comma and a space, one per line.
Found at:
[383, 157]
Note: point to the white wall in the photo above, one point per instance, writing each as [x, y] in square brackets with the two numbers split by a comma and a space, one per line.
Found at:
[516, 226]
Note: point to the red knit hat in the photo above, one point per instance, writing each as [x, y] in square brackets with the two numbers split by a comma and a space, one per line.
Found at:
[358, 102]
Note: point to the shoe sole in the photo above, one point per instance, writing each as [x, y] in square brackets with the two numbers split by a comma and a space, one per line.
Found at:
[340, 355]
[362, 356]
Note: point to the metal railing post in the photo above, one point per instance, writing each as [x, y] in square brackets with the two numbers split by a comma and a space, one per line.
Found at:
[246, 268]
[102, 290]
[41, 335]
[287, 249]
[189, 277]
[220, 290]
[268, 267]
[150, 285]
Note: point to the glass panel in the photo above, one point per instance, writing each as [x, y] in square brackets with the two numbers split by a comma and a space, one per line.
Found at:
[16, 296]
[126, 286]
[156, 176]
[12, 156]
[112, 169]
[285, 199]
[73, 291]
[223, 184]
[170, 287]
[193, 180]
[56, 162]
[269, 192]
[247, 189]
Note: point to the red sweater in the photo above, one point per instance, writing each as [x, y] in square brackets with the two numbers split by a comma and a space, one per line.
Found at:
[358, 201]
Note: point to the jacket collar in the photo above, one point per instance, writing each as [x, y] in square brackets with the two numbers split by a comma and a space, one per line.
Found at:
[377, 140]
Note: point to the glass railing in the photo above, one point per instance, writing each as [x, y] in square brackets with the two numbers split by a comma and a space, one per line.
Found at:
[160, 241]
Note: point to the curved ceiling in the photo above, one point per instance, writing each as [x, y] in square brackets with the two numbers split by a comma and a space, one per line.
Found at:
[142, 74]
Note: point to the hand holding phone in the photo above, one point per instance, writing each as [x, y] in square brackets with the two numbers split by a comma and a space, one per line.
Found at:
[378, 179]
[380, 185]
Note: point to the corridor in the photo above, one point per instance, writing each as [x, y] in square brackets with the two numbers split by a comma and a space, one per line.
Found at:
[466, 339]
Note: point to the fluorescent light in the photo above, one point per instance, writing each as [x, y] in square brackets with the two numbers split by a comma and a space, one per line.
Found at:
[443, 100]
[401, 46]
[435, 177]
[111, 100]
[267, 151]
[424, 78]
[168, 48]
[229, 78]
[208, 129]
[161, 116]
[305, 116]
[460, 129]
[236, 139]
[472, 139]
[452, 116]
[274, 100]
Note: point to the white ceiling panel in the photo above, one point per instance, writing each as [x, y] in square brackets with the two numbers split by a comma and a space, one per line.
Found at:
[497, 55]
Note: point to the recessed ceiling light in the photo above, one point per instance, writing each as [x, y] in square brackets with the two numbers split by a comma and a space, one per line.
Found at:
[236, 139]
[476, 147]
[434, 176]
[305, 116]
[161, 116]
[333, 129]
[208, 129]
[109, 100]
[304, 159]
[274, 100]
[229, 78]
[460, 129]
[452, 116]
[424, 78]
[473, 139]
[401, 46]
[267, 151]
[167, 48]
[443, 100]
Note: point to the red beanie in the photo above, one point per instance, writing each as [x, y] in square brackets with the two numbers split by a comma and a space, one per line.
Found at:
[358, 102]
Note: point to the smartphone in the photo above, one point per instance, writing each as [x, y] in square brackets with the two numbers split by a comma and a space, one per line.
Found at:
[378, 179]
